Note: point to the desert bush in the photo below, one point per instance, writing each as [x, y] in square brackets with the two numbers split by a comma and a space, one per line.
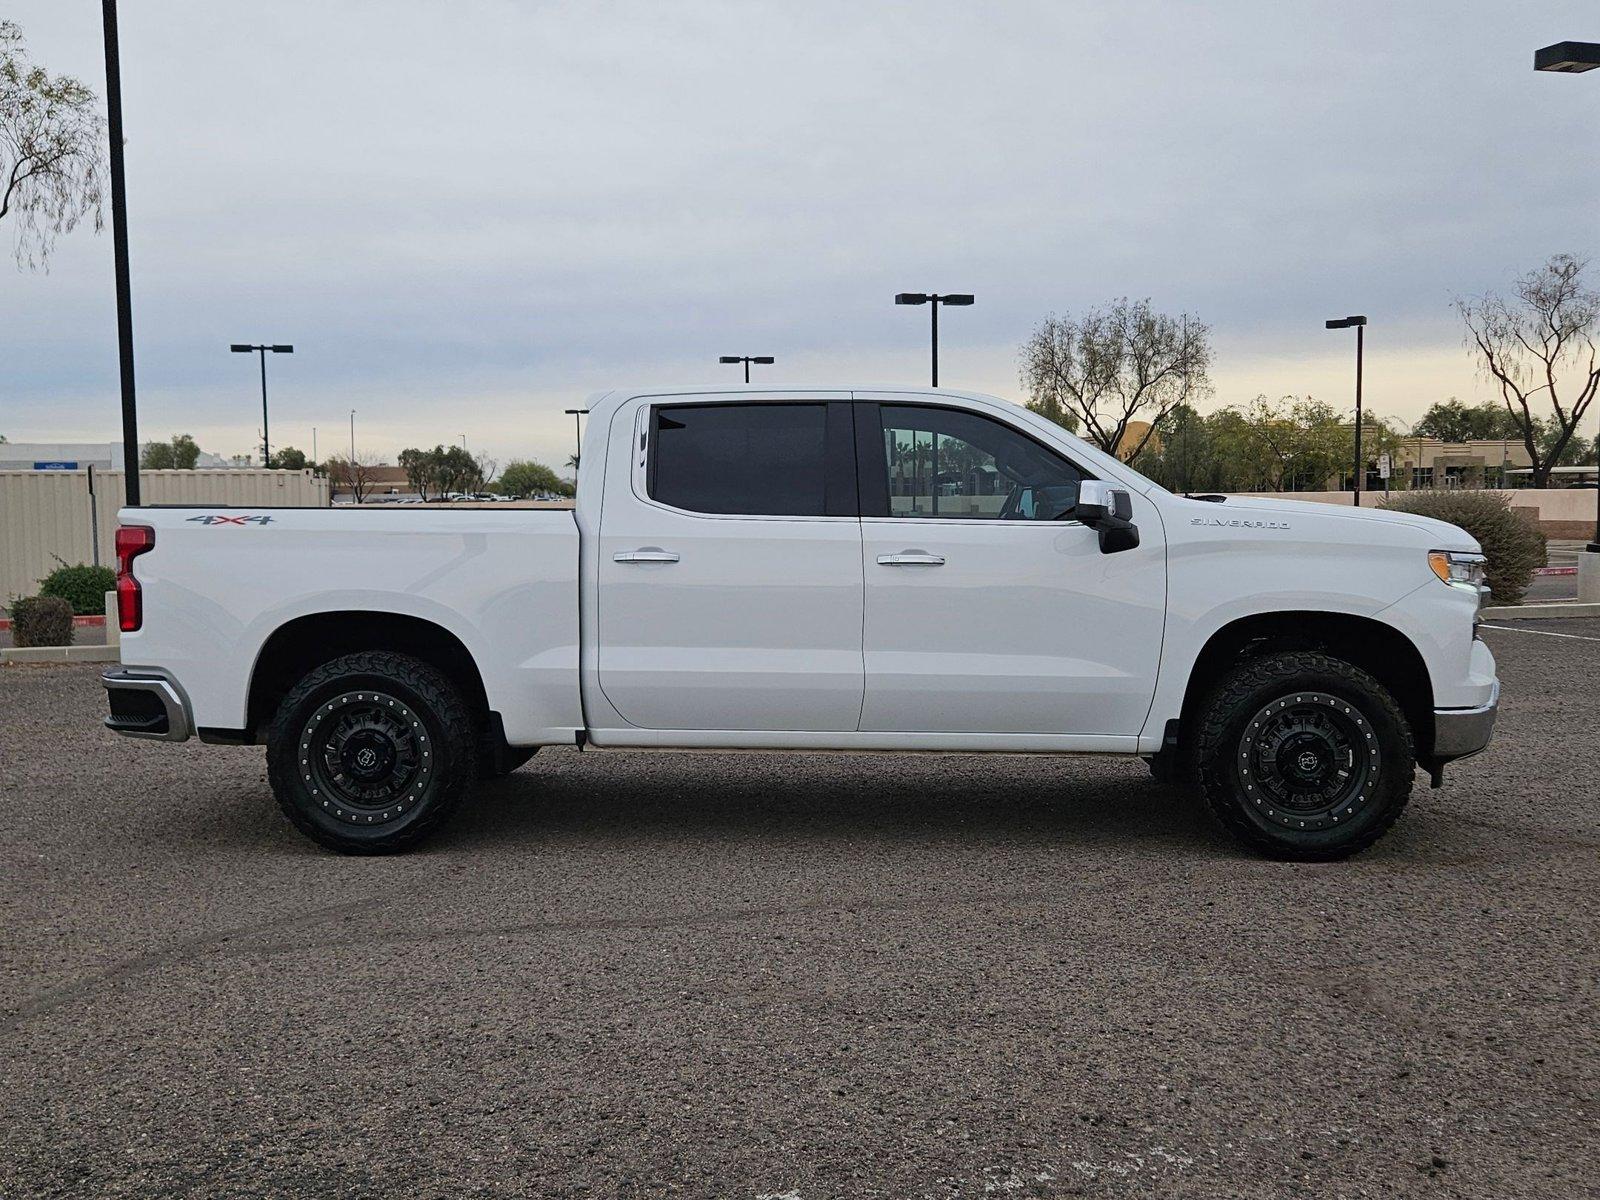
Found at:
[1511, 541]
[84, 587]
[41, 621]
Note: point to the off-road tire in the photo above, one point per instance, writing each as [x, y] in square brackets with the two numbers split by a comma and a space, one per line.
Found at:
[1350, 758]
[404, 716]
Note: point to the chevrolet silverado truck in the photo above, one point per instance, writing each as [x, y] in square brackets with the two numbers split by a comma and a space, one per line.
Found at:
[816, 569]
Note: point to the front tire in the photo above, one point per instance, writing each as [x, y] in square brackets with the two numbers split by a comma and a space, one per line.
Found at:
[371, 753]
[1303, 756]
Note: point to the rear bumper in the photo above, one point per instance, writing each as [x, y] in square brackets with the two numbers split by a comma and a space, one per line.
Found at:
[146, 704]
[1458, 732]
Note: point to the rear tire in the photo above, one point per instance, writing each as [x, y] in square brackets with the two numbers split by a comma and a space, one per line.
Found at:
[1303, 756]
[371, 753]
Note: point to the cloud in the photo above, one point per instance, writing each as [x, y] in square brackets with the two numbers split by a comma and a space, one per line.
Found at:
[468, 216]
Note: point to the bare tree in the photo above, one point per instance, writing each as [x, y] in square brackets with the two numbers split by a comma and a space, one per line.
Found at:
[353, 474]
[52, 151]
[1116, 364]
[1540, 344]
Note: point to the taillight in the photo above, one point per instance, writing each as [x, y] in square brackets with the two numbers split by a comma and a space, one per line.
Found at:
[132, 541]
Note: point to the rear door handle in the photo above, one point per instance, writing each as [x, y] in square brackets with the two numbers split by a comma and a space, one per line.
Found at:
[912, 558]
[644, 556]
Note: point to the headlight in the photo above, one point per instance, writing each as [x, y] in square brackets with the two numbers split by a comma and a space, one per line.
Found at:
[1458, 568]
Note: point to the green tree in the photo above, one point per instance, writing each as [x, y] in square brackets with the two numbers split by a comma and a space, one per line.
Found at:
[289, 459]
[180, 454]
[1452, 421]
[52, 151]
[524, 477]
[418, 466]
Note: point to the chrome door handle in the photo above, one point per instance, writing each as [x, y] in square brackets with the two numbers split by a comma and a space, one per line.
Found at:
[644, 556]
[911, 559]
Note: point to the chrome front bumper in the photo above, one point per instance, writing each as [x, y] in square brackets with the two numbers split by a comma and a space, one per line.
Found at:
[1458, 732]
[145, 704]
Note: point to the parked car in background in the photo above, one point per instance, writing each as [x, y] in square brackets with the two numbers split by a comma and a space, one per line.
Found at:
[830, 569]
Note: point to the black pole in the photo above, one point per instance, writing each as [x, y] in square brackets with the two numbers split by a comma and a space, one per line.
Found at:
[1361, 466]
[266, 449]
[119, 244]
[747, 370]
[933, 303]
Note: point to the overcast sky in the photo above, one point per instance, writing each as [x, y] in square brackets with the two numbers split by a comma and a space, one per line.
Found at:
[467, 216]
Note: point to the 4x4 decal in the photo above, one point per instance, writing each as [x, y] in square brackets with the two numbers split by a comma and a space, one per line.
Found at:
[222, 519]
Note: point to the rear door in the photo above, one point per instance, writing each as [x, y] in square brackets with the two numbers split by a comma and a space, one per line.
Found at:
[730, 569]
[988, 608]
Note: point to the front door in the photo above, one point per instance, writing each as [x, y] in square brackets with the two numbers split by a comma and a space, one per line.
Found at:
[988, 609]
[730, 570]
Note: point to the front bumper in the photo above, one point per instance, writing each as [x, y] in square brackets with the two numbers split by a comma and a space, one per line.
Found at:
[147, 704]
[1458, 732]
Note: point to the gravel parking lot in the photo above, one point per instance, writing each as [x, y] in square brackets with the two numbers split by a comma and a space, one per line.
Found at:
[797, 976]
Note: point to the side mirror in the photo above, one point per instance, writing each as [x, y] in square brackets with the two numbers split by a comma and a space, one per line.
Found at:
[1109, 512]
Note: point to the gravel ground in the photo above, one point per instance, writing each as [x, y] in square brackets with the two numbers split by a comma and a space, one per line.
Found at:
[796, 976]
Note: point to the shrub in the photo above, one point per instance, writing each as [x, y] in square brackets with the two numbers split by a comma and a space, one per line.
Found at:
[1512, 543]
[41, 621]
[84, 587]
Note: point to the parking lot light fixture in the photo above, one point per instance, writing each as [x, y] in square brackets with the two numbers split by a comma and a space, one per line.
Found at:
[934, 299]
[263, 351]
[1360, 325]
[763, 359]
[1574, 58]
[1567, 58]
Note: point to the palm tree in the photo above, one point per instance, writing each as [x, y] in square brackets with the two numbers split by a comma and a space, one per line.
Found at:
[572, 461]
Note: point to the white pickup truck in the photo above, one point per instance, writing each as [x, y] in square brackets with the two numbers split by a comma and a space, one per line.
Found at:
[817, 569]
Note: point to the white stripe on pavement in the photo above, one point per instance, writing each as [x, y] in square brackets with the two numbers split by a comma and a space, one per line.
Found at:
[1577, 637]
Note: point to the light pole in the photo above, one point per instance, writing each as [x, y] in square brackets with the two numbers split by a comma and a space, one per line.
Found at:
[577, 432]
[352, 437]
[933, 298]
[238, 348]
[119, 248]
[765, 360]
[1574, 58]
[1360, 324]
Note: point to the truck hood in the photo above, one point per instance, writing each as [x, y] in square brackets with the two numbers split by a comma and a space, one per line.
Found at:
[1440, 535]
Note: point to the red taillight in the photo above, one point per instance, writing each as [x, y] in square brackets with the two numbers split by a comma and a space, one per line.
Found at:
[132, 541]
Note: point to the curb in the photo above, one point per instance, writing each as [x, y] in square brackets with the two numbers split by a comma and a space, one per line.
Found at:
[37, 654]
[1540, 612]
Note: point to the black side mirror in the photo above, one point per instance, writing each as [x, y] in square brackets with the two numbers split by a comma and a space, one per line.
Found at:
[1109, 512]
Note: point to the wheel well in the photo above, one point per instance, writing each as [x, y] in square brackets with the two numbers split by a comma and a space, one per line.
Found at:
[307, 642]
[1380, 650]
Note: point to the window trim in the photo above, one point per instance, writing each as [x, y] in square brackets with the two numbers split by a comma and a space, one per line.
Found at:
[872, 477]
[839, 486]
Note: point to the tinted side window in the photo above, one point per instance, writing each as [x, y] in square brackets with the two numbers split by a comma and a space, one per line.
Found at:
[744, 459]
[944, 462]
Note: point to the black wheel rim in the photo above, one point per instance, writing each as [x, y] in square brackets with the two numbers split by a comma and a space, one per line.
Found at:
[1309, 760]
[365, 758]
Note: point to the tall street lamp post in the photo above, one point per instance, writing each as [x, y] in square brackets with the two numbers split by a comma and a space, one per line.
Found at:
[119, 248]
[765, 360]
[933, 298]
[577, 432]
[1360, 324]
[238, 348]
[1574, 58]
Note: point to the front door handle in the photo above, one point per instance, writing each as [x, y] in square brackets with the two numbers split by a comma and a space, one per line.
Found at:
[911, 558]
[644, 556]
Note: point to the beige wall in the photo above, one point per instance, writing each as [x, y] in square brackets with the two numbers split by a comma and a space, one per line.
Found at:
[45, 514]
